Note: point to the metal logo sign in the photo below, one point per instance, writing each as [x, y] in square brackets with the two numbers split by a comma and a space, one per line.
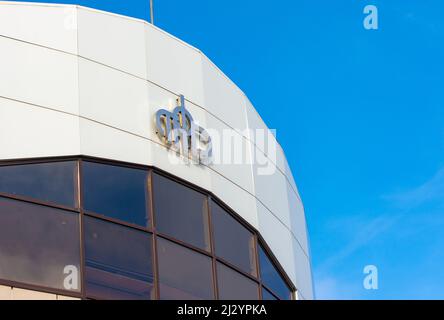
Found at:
[179, 131]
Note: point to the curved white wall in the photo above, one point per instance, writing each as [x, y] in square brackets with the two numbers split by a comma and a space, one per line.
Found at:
[79, 81]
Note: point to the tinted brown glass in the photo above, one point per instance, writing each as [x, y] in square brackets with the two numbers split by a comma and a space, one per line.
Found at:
[116, 192]
[118, 261]
[232, 241]
[234, 286]
[180, 212]
[271, 277]
[54, 182]
[183, 273]
[39, 245]
[266, 295]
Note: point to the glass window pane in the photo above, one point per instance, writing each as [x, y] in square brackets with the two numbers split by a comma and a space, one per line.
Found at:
[232, 241]
[116, 192]
[271, 277]
[183, 273]
[49, 182]
[118, 261]
[180, 212]
[234, 286]
[266, 295]
[39, 245]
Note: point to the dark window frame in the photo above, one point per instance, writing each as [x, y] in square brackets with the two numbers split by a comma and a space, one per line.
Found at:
[151, 229]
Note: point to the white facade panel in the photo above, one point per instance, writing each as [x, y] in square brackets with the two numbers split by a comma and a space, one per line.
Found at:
[98, 140]
[59, 297]
[231, 154]
[222, 98]
[297, 217]
[278, 238]
[114, 98]
[237, 198]
[258, 131]
[113, 40]
[290, 177]
[37, 75]
[271, 190]
[280, 158]
[27, 131]
[168, 160]
[23, 294]
[174, 65]
[303, 273]
[5, 293]
[24, 22]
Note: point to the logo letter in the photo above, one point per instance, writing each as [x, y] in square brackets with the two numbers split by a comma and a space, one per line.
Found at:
[181, 133]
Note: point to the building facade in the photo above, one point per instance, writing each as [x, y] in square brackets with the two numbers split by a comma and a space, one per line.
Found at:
[131, 167]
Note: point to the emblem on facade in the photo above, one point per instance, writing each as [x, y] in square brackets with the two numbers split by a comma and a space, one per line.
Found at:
[179, 131]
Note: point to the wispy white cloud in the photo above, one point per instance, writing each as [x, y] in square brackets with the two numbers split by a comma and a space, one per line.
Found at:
[431, 190]
[361, 230]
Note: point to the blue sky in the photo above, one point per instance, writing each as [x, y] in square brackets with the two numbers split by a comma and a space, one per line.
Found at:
[360, 115]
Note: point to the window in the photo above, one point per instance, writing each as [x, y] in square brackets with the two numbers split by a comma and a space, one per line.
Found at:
[180, 212]
[45, 236]
[232, 241]
[271, 277]
[183, 273]
[48, 182]
[234, 286]
[118, 261]
[116, 192]
[266, 295]
[39, 245]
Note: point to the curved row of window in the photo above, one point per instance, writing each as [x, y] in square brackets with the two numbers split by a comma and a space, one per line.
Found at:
[103, 230]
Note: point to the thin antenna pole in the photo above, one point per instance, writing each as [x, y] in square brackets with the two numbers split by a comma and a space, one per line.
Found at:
[152, 11]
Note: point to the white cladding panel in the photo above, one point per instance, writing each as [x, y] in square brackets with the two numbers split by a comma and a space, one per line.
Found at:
[174, 65]
[234, 165]
[114, 98]
[303, 272]
[27, 131]
[278, 238]
[222, 98]
[24, 22]
[113, 40]
[297, 219]
[38, 75]
[93, 90]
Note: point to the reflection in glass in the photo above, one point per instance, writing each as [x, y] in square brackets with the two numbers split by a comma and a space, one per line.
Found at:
[183, 273]
[118, 261]
[266, 295]
[271, 277]
[232, 241]
[180, 212]
[116, 192]
[48, 182]
[39, 245]
[234, 286]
